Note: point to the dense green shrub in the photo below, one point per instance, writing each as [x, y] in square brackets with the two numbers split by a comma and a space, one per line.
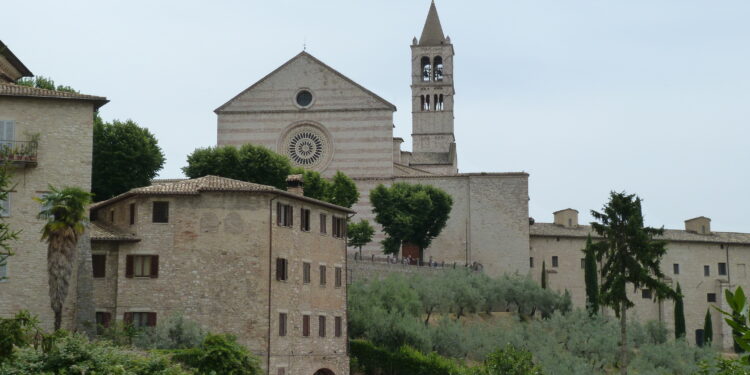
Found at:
[509, 361]
[16, 332]
[75, 354]
[219, 354]
[372, 360]
[175, 332]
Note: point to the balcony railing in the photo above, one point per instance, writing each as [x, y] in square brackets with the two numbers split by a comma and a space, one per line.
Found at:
[18, 152]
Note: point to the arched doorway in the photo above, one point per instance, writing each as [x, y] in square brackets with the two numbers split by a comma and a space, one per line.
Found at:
[324, 371]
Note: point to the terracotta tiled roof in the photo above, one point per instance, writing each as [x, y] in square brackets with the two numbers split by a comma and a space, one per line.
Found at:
[9, 89]
[209, 183]
[582, 231]
[100, 232]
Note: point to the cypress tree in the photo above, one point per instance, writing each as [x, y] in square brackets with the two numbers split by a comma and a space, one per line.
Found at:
[679, 315]
[544, 275]
[592, 282]
[708, 329]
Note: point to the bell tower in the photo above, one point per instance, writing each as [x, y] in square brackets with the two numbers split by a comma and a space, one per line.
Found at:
[434, 143]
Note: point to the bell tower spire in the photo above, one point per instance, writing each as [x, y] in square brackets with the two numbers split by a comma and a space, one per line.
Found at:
[434, 143]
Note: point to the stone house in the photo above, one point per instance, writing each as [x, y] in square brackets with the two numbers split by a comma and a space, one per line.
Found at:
[704, 262]
[46, 138]
[266, 265]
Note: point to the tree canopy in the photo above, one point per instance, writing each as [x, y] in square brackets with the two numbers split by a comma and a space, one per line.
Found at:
[359, 234]
[126, 156]
[340, 190]
[249, 163]
[42, 82]
[630, 255]
[409, 213]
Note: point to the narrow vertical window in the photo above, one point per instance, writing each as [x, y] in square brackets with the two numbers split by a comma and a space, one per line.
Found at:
[281, 269]
[304, 220]
[531, 262]
[338, 277]
[111, 216]
[323, 224]
[337, 326]
[437, 108]
[322, 275]
[99, 264]
[427, 103]
[306, 273]
[676, 268]
[706, 270]
[322, 326]
[282, 324]
[583, 263]
[421, 103]
[305, 325]
[132, 213]
[554, 261]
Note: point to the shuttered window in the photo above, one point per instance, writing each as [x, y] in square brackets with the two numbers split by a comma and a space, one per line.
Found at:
[281, 269]
[322, 275]
[304, 219]
[7, 134]
[306, 325]
[338, 277]
[306, 273]
[282, 324]
[337, 326]
[338, 228]
[323, 224]
[284, 215]
[99, 264]
[142, 266]
[322, 326]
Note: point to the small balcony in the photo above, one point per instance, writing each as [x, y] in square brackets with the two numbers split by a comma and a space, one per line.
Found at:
[21, 153]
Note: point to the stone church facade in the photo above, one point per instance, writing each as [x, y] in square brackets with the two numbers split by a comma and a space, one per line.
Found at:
[324, 121]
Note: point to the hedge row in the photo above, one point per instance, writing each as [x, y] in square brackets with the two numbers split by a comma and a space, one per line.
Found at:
[372, 360]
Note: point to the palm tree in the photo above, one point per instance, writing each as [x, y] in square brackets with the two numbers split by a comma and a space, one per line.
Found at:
[65, 213]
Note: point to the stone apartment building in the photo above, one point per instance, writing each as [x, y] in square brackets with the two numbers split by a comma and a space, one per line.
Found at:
[704, 262]
[46, 138]
[266, 265]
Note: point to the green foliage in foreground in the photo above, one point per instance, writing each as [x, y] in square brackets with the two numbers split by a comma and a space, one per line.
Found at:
[509, 361]
[75, 354]
[175, 332]
[42, 82]
[738, 319]
[369, 359]
[219, 354]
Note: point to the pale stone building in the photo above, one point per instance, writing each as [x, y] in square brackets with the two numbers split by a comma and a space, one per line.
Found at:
[704, 262]
[324, 121]
[266, 265]
[46, 136]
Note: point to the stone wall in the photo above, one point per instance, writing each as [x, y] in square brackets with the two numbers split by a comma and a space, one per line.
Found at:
[64, 159]
[379, 268]
[488, 223]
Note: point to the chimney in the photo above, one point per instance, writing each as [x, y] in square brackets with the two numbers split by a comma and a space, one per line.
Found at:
[397, 141]
[700, 225]
[567, 218]
[294, 184]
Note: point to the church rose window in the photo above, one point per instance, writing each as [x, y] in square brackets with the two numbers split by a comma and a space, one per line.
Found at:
[304, 98]
[307, 146]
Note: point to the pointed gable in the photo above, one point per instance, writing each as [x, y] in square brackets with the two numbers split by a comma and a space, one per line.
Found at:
[331, 90]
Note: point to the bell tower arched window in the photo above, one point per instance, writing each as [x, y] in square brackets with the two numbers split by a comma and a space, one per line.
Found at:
[438, 68]
[439, 103]
[426, 69]
[427, 103]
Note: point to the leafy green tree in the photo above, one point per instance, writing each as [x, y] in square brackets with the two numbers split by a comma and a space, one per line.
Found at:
[6, 233]
[343, 190]
[42, 82]
[16, 332]
[592, 278]
[738, 319]
[679, 315]
[630, 255]
[359, 234]
[435, 294]
[708, 329]
[248, 163]
[409, 213]
[65, 212]
[126, 156]
[544, 275]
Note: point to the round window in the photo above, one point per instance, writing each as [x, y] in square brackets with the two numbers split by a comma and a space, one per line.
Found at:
[304, 98]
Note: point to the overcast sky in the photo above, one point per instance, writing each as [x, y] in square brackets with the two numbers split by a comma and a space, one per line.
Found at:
[651, 97]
